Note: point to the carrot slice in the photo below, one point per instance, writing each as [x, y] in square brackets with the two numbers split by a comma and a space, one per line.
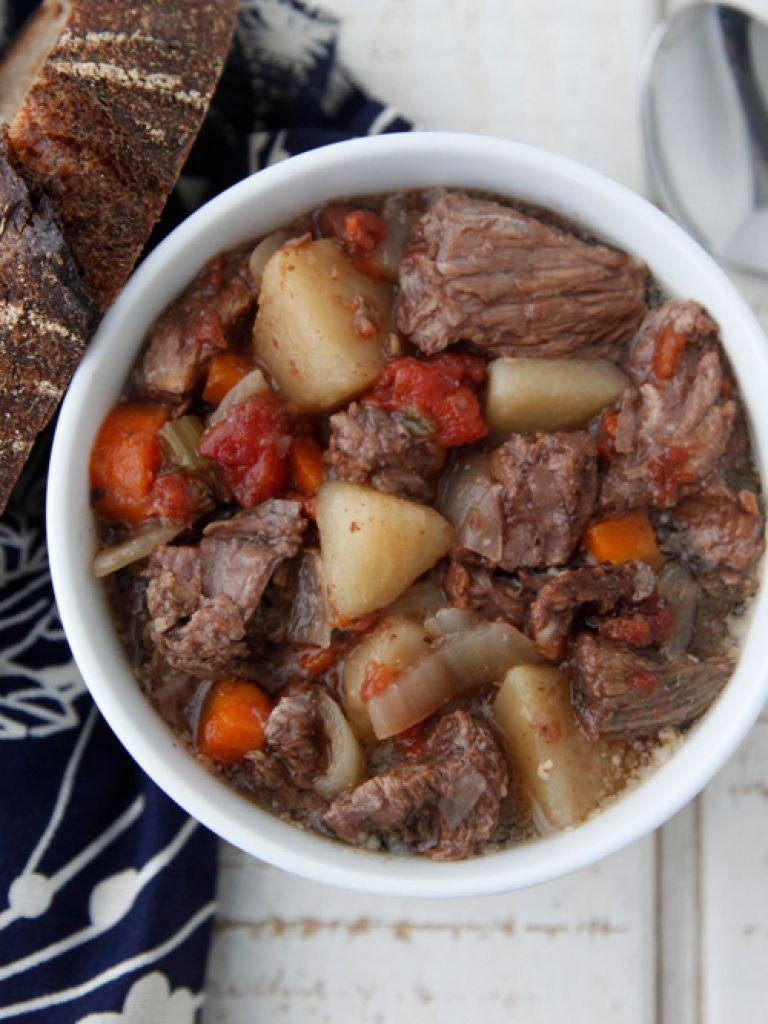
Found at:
[125, 460]
[225, 370]
[307, 464]
[233, 720]
[624, 538]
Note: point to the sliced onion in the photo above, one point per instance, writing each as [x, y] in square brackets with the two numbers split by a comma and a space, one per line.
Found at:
[471, 502]
[680, 590]
[253, 383]
[459, 663]
[461, 799]
[345, 767]
[264, 251]
[420, 601]
[140, 545]
[182, 437]
[485, 654]
[310, 618]
[449, 620]
[399, 217]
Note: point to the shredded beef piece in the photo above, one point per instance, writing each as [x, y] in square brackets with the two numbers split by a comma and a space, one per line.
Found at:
[295, 735]
[444, 803]
[481, 271]
[201, 598]
[717, 530]
[202, 321]
[549, 486]
[671, 431]
[623, 694]
[209, 643]
[370, 445]
[240, 554]
[719, 534]
[552, 613]
[490, 595]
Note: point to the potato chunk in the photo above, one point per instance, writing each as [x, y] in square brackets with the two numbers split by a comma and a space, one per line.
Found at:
[564, 773]
[395, 643]
[374, 545]
[321, 325]
[526, 395]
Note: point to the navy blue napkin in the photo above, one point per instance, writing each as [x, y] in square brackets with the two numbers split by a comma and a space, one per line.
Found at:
[107, 888]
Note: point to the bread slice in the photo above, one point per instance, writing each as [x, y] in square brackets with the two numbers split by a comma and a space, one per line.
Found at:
[112, 94]
[101, 101]
[46, 319]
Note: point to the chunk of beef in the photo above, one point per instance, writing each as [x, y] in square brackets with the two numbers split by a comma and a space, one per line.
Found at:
[240, 554]
[175, 585]
[295, 735]
[490, 595]
[481, 271]
[210, 643]
[202, 321]
[444, 803]
[719, 534]
[549, 486]
[623, 694]
[673, 426]
[369, 445]
[552, 613]
[201, 598]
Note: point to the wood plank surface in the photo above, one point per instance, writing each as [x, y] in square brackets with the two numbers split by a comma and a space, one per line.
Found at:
[672, 930]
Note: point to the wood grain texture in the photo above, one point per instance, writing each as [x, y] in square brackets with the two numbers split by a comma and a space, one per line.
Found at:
[296, 951]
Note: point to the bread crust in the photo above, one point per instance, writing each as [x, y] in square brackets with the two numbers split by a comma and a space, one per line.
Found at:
[46, 319]
[112, 114]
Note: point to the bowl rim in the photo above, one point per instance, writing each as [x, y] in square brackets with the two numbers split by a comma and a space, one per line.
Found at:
[232, 816]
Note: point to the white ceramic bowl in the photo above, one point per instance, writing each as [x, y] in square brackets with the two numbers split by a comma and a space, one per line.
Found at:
[258, 205]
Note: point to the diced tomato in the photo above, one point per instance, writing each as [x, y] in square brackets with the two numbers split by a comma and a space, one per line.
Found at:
[225, 370]
[307, 464]
[649, 623]
[377, 678]
[667, 472]
[357, 231]
[412, 740]
[233, 720]
[251, 444]
[317, 660]
[669, 344]
[177, 496]
[125, 460]
[606, 434]
[438, 389]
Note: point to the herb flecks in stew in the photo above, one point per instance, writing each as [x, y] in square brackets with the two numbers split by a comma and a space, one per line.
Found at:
[425, 524]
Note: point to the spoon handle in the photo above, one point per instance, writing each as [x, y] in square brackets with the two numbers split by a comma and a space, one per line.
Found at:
[735, 25]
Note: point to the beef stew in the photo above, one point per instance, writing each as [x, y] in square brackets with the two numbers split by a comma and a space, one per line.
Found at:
[426, 521]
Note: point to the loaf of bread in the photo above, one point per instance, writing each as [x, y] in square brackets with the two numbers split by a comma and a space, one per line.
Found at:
[46, 319]
[101, 100]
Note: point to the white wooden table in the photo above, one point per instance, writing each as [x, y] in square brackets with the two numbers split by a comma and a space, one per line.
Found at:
[672, 930]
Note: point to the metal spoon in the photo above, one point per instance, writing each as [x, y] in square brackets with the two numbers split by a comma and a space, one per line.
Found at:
[705, 128]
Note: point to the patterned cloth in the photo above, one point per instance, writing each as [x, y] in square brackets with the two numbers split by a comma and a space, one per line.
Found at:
[106, 886]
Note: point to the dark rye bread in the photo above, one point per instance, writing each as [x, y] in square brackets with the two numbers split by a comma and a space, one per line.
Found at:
[46, 319]
[111, 115]
[101, 101]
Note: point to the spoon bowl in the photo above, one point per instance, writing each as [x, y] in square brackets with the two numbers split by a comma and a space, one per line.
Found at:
[705, 127]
